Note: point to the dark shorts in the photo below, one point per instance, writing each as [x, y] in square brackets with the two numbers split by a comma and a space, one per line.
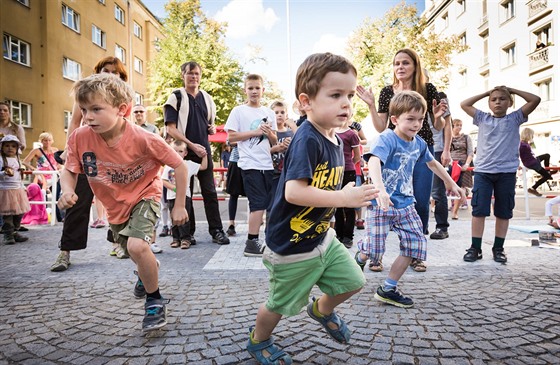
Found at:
[234, 182]
[257, 185]
[502, 186]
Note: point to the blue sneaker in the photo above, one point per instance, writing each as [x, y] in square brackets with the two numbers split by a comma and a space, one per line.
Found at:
[156, 314]
[393, 297]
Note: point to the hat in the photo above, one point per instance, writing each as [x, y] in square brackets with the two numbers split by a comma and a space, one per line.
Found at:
[10, 138]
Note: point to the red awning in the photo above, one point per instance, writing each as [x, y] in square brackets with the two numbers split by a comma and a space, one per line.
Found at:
[220, 136]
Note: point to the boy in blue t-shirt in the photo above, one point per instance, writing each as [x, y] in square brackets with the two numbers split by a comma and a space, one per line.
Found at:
[301, 249]
[497, 160]
[391, 163]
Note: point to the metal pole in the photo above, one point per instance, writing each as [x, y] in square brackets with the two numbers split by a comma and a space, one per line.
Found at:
[289, 42]
[524, 177]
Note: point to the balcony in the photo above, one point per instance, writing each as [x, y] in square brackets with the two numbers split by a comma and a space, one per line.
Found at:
[539, 59]
[537, 9]
[483, 26]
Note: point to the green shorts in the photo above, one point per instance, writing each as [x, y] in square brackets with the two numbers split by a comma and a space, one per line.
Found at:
[141, 223]
[329, 266]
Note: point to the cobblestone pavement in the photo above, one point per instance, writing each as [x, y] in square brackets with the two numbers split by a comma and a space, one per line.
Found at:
[464, 313]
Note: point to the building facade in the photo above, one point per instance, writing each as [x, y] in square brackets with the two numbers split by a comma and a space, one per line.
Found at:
[502, 38]
[49, 44]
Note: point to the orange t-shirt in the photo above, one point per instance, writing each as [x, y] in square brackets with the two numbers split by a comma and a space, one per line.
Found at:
[121, 175]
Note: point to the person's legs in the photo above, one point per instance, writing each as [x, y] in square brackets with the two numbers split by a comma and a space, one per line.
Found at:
[422, 185]
[75, 226]
[211, 205]
[265, 324]
[441, 211]
[545, 175]
[140, 253]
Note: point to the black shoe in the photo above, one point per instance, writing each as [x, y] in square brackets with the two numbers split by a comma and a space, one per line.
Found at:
[439, 234]
[347, 242]
[393, 297]
[193, 241]
[139, 290]
[253, 248]
[164, 232]
[220, 238]
[156, 314]
[231, 230]
[499, 255]
[23, 229]
[472, 255]
[20, 238]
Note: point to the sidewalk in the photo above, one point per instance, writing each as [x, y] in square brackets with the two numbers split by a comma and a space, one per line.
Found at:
[464, 313]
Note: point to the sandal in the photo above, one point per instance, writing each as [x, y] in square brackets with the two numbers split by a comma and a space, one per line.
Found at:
[341, 334]
[175, 244]
[376, 266]
[185, 244]
[261, 349]
[418, 265]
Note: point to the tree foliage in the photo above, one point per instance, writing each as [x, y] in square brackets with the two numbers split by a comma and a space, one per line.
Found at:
[373, 45]
[190, 36]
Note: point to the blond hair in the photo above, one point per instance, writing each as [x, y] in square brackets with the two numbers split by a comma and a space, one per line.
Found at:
[279, 104]
[313, 70]
[504, 90]
[527, 135]
[109, 87]
[407, 101]
[45, 135]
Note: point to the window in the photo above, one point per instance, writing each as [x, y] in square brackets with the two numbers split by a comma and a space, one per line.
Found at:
[71, 69]
[120, 53]
[138, 65]
[445, 18]
[463, 77]
[462, 4]
[101, 2]
[70, 18]
[138, 99]
[119, 14]
[463, 39]
[545, 89]
[508, 9]
[67, 119]
[98, 36]
[509, 55]
[23, 2]
[137, 30]
[15, 50]
[543, 34]
[21, 113]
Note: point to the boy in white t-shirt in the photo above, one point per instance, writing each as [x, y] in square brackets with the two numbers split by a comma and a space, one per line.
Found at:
[253, 127]
[181, 234]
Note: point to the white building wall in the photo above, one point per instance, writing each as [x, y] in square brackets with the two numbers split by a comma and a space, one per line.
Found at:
[477, 70]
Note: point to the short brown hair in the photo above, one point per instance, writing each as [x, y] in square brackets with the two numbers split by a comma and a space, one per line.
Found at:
[109, 87]
[279, 104]
[187, 66]
[254, 77]
[406, 101]
[313, 70]
[119, 66]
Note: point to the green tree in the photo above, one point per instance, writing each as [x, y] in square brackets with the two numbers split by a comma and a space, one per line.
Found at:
[190, 36]
[374, 44]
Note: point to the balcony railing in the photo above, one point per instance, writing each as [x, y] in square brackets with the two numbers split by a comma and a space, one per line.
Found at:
[538, 58]
[536, 7]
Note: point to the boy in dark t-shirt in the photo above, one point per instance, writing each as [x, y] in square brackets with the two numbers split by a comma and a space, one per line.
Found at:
[301, 249]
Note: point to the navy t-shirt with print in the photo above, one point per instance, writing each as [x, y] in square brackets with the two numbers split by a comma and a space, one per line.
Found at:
[312, 157]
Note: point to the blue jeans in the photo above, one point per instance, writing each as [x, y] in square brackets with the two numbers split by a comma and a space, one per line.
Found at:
[422, 185]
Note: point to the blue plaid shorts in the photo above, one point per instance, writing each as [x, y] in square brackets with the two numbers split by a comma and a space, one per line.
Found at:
[406, 224]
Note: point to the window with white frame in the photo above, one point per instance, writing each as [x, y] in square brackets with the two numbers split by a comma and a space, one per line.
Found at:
[67, 119]
[70, 18]
[137, 30]
[445, 19]
[463, 39]
[508, 10]
[138, 65]
[23, 2]
[98, 36]
[120, 53]
[20, 112]
[509, 55]
[71, 69]
[138, 99]
[462, 5]
[545, 89]
[544, 34]
[16, 50]
[119, 14]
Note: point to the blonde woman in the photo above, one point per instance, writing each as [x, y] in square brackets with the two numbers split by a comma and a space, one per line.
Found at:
[531, 162]
[44, 160]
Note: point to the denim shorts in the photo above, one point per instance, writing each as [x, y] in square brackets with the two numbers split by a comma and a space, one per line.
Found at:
[257, 184]
[502, 186]
[140, 225]
[329, 266]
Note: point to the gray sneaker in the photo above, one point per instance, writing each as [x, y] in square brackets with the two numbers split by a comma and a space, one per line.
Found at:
[62, 262]
[253, 248]
[156, 314]
[139, 290]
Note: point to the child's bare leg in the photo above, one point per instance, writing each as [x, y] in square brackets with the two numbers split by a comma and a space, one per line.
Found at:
[142, 255]
[265, 324]
[400, 265]
[477, 227]
[326, 303]
[502, 226]
[255, 221]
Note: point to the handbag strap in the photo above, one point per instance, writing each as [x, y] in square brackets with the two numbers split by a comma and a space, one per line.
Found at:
[47, 158]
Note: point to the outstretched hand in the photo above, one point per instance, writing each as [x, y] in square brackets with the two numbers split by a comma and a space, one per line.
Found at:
[359, 196]
[365, 94]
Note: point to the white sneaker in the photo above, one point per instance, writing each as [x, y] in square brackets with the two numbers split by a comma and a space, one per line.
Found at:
[155, 248]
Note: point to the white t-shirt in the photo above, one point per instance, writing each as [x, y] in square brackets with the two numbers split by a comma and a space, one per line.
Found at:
[254, 153]
[169, 175]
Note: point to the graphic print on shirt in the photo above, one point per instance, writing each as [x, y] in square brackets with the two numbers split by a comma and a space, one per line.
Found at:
[391, 178]
[255, 124]
[325, 178]
[107, 173]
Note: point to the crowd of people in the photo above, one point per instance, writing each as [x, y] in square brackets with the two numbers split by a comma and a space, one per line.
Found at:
[308, 178]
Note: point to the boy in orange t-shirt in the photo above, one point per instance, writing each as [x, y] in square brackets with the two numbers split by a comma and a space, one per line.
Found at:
[122, 162]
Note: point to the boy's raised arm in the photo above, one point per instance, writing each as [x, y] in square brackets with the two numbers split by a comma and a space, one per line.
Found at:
[532, 100]
[299, 192]
[467, 104]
